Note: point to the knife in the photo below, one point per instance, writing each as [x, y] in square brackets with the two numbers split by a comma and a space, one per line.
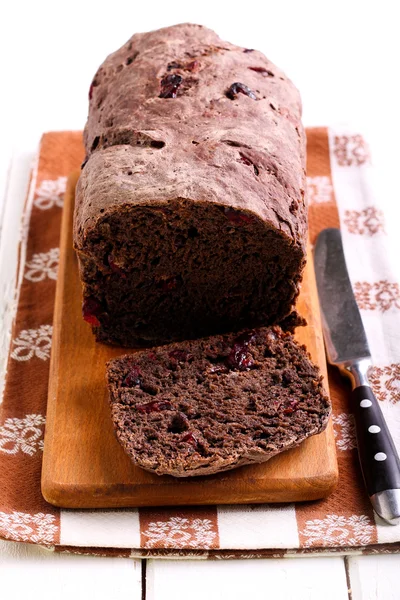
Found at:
[347, 348]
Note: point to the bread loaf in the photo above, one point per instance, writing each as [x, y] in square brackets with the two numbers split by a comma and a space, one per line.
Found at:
[190, 214]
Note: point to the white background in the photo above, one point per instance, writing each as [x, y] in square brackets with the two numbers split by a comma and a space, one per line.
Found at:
[345, 58]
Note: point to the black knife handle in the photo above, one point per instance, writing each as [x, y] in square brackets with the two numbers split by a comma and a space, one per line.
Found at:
[379, 460]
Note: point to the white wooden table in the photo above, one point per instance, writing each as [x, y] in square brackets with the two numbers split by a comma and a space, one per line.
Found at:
[343, 56]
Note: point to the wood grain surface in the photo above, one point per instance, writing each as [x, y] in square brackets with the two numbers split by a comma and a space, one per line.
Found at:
[85, 467]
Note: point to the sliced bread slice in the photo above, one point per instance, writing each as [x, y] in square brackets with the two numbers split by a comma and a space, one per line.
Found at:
[209, 405]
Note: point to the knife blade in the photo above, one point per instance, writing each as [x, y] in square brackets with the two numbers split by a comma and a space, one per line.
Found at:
[347, 348]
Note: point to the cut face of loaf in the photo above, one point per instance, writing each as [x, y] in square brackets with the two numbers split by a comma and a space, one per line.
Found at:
[190, 212]
[210, 405]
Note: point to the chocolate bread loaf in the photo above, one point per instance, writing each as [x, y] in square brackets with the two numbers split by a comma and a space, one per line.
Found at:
[213, 404]
[190, 214]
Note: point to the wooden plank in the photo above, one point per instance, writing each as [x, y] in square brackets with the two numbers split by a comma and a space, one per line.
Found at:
[85, 467]
[262, 579]
[28, 571]
[374, 577]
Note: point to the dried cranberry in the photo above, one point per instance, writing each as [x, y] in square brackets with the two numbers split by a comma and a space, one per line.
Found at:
[170, 85]
[240, 357]
[291, 407]
[180, 355]
[237, 216]
[193, 66]
[190, 438]
[151, 356]
[153, 406]
[247, 50]
[91, 310]
[114, 267]
[132, 378]
[239, 88]
[264, 72]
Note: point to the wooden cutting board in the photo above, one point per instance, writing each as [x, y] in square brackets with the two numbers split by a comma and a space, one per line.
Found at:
[85, 467]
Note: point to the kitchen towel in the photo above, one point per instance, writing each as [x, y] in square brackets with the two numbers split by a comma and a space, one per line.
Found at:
[341, 194]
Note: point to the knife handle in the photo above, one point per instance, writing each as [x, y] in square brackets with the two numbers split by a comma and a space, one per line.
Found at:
[379, 460]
